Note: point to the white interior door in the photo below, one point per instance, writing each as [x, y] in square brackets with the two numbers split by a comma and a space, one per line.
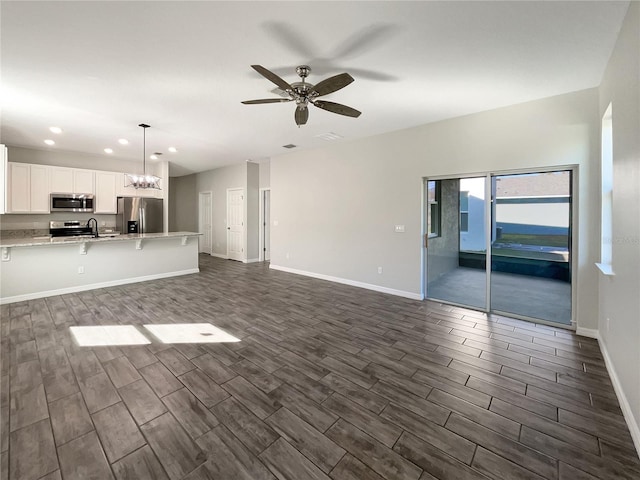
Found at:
[235, 224]
[204, 223]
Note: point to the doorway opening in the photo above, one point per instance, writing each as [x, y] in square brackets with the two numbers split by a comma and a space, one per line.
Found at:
[265, 225]
[502, 243]
[205, 223]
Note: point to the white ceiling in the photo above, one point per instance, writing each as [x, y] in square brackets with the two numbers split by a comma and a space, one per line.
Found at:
[98, 69]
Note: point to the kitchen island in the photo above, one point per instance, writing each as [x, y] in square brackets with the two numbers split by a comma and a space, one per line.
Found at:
[42, 266]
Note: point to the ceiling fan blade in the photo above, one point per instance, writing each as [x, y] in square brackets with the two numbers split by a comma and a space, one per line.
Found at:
[331, 84]
[337, 108]
[301, 115]
[291, 37]
[267, 100]
[272, 77]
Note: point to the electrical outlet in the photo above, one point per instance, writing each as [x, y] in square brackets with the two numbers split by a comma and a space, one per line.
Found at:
[399, 229]
[80, 270]
[379, 269]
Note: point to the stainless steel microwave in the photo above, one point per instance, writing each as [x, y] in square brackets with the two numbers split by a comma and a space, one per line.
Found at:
[71, 202]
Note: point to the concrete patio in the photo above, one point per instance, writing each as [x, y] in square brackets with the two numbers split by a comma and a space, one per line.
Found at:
[541, 298]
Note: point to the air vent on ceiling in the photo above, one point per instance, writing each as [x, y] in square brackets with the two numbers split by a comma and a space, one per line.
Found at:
[329, 136]
[290, 145]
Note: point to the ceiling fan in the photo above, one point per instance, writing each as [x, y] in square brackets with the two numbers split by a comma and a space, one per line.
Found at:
[304, 93]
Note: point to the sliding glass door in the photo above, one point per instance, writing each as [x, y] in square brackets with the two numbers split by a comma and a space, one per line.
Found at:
[456, 246]
[531, 254]
[501, 243]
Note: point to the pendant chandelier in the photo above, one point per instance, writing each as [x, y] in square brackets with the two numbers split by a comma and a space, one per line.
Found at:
[143, 181]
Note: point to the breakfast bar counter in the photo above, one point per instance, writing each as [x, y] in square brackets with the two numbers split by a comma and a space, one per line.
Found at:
[38, 267]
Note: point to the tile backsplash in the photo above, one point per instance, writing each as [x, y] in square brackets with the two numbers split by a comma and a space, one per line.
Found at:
[20, 226]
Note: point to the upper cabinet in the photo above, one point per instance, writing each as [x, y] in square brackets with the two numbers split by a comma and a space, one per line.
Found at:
[4, 158]
[83, 181]
[39, 194]
[72, 180]
[106, 192]
[27, 187]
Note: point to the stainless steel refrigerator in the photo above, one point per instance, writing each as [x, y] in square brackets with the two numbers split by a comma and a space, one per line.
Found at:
[139, 215]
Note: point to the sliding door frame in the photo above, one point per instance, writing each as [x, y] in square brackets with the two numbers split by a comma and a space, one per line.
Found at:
[489, 201]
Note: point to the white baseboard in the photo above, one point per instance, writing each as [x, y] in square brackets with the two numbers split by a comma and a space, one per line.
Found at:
[588, 332]
[632, 422]
[251, 260]
[93, 286]
[219, 255]
[353, 283]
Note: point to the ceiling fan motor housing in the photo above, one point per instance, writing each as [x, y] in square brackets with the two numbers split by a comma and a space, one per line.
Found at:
[303, 71]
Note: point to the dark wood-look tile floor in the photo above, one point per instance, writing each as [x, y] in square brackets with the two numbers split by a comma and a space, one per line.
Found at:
[327, 381]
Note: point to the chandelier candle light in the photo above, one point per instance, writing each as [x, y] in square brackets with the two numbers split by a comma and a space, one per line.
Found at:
[143, 181]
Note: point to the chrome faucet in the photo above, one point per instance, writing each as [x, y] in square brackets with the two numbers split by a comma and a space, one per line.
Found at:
[89, 226]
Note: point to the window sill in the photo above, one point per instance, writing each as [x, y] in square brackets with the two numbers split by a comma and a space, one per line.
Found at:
[606, 269]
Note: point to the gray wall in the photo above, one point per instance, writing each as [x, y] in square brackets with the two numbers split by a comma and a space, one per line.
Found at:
[619, 298]
[218, 181]
[265, 174]
[183, 213]
[184, 203]
[443, 250]
[336, 207]
[252, 214]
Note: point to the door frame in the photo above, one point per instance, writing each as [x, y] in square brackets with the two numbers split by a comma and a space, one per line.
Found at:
[262, 227]
[574, 229]
[244, 217]
[200, 229]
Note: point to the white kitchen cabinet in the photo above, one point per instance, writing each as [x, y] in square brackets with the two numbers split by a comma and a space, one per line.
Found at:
[71, 180]
[27, 188]
[83, 181]
[4, 158]
[106, 192]
[61, 180]
[39, 185]
[19, 188]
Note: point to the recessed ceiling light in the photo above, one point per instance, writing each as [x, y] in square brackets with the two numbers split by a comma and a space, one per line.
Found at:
[49, 142]
[290, 145]
[173, 149]
[123, 141]
[108, 150]
[56, 130]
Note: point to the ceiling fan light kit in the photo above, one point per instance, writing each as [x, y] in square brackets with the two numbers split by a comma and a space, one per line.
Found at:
[143, 181]
[304, 93]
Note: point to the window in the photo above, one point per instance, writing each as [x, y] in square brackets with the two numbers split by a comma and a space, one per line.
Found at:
[606, 215]
[464, 211]
[433, 208]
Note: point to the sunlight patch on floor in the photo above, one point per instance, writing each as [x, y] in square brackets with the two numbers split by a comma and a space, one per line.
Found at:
[108, 335]
[190, 333]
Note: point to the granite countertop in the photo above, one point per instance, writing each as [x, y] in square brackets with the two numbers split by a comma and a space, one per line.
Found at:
[46, 240]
